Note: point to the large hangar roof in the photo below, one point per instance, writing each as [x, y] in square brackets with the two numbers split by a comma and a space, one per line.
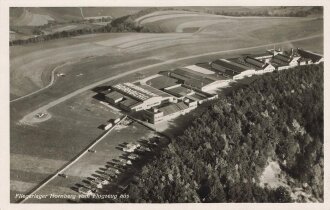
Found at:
[226, 64]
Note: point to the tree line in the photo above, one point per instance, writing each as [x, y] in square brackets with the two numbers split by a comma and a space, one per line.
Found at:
[221, 155]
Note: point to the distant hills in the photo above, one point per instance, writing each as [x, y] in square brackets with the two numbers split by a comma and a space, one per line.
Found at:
[36, 16]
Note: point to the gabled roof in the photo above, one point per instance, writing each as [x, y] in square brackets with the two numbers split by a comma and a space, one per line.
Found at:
[162, 82]
[179, 91]
[265, 54]
[191, 79]
[172, 108]
[229, 65]
[129, 102]
[255, 62]
[114, 95]
[278, 62]
[282, 57]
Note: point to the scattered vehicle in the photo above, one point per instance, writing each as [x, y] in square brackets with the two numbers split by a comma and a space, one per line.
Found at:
[85, 191]
[113, 170]
[96, 184]
[143, 149]
[92, 151]
[40, 115]
[131, 147]
[133, 156]
[116, 120]
[63, 175]
[102, 181]
[60, 74]
[108, 126]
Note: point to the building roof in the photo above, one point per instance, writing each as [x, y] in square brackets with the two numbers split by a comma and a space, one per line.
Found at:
[194, 74]
[138, 92]
[172, 108]
[264, 54]
[255, 62]
[304, 59]
[114, 95]
[278, 62]
[199, 69]
[282, 57]
[196, 97]
[162, 82]
[191, 79]
[155, 91]
[230, 65]
[307, 54]
[179, 91]
[130, 102]
[143, 89]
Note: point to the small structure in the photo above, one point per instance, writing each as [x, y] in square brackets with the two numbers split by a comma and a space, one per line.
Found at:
[92, 151]
[133, 156]
[115, 121]
[107, 126]
[63, 175]
[96, 184]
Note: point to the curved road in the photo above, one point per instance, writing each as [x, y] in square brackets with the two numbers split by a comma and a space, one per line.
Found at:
[52, 80]
[29, 118]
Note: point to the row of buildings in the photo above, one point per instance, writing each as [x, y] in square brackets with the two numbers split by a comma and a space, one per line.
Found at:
[176, 92]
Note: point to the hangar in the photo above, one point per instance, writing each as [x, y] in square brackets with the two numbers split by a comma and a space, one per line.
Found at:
[136, 97]
[233, 69]
[196, 80]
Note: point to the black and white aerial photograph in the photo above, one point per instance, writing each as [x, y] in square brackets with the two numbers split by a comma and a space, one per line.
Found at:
[166, 104]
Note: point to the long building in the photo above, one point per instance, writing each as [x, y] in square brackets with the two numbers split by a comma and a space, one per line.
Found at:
[196, 80]
[233, 69]
[169, 111]
[136, 97]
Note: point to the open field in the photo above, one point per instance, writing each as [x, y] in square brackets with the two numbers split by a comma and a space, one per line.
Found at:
[43, 147]
[183, 21]
[108, 150]
[29, 74]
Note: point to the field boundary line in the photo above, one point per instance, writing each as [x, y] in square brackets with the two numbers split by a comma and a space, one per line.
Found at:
[70, 163]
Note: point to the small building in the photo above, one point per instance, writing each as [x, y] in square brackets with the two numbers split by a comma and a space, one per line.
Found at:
[170, 111]
[114, 97]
